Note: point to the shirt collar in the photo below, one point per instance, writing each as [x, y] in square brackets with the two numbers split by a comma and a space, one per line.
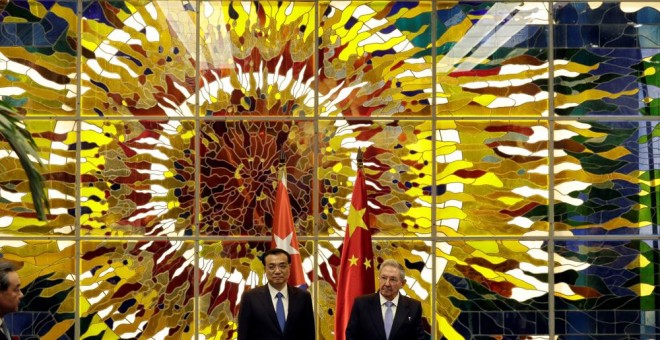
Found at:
[395, 301]
[273, 292]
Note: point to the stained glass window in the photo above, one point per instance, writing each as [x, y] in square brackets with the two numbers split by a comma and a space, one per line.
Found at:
[510, 151]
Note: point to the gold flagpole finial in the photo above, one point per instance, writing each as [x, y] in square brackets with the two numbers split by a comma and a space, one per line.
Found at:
[282, 158]
[281, 167]
[359, 158]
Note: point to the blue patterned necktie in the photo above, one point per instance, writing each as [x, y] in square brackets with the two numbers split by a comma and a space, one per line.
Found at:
[389, 317]
[279, 310]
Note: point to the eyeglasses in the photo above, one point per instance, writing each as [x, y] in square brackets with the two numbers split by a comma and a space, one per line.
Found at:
[392, 279]
[281, 266]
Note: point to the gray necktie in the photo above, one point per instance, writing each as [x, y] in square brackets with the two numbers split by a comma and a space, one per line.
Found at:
[389, 317]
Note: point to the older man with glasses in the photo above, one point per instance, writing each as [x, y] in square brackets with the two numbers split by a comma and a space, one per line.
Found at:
[386, 315]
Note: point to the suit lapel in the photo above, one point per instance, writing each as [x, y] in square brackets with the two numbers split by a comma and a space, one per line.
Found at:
[291, 308]
[5, 330]
[377, 318]
[267, 305]
[402, 310]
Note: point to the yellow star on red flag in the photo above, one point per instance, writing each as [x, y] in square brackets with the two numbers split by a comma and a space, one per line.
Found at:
[367, 263]
[356, 220]
[353, 260]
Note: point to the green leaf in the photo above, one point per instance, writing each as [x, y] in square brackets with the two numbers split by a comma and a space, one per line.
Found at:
[21, 142]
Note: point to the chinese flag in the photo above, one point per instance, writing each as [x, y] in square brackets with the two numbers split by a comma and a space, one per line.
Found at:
[356, 271]
[284, 234]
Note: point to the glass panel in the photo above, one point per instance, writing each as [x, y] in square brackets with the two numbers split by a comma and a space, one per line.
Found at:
[492, 58]
[414, 256]
[55, 142]
[606, 58]
[607, 288]
[238, 175]
[137, 289]
[492, 178]
[449, 102]
[397, 159]
[257, 58]
[606, 178]
[45, 269]
[138, 59]
[376, 58]
[38, 56]
[137, 177]
[492, 288]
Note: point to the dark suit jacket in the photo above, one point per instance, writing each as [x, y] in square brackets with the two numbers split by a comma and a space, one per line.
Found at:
[5, 331]
[366, 321]
[257, 319]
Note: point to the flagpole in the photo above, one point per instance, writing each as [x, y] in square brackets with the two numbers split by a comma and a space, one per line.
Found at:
[281, 166]
[283, 229]
[359, 159]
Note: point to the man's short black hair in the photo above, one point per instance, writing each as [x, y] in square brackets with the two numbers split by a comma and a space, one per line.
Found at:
[5, 269]
[275, 251]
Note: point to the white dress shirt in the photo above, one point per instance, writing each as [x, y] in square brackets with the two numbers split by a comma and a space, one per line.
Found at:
[285, 299]
[383, 307]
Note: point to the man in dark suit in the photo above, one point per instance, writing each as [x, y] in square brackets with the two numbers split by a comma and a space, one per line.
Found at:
[386, 315]
[276, 311]
[10, 295]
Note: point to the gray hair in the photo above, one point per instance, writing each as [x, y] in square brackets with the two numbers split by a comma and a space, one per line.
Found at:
[5, 269]
[393, 263]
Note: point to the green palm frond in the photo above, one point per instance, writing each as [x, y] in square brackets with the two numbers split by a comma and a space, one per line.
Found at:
[22, 143]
